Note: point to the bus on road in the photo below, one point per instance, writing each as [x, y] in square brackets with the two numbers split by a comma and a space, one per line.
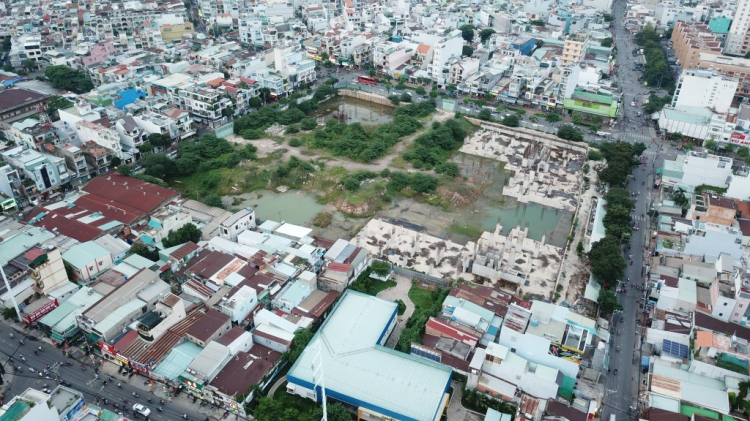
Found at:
[367, 80]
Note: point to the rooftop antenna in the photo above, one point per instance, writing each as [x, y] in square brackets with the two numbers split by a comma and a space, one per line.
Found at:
[319, 378]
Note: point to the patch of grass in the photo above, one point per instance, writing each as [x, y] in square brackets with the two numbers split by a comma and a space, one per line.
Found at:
[469, 231]
[421, 298]
[323, 219]
[378, 286]
[399, 163]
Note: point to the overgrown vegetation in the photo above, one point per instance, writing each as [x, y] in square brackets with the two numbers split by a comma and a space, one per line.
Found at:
[188, 232]
[426, 304]
[432, 149]
[366, 145]
[479, 402]
[252, 126]
[64, 77]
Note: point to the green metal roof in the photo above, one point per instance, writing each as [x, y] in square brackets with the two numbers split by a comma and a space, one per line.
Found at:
[20, 243]
[566, 388]
[84, 253]
[16, 411]
[719, 25]
[178, 360]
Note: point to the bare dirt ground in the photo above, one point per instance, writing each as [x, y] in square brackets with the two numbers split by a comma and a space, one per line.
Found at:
[576, 268]
[269, 146]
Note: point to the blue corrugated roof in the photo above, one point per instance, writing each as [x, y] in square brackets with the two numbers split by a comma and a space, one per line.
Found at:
[154, 224]
[146, 239]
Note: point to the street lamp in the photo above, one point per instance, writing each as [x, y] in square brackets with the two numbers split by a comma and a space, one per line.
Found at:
[10, 292]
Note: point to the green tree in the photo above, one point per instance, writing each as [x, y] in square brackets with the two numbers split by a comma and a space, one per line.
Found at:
[743, 152]
[405, 97]
[10, 313]
[571, 133]
[213, 200]
[485, 34]
[606, 42]
[57, 103]
[188, 232]
[420, 90]
[143, 250]
[395, 99]
[608, 301]
[29, 64]
[710, 145]
[380, 267]
[467, 51]
[336, 412]
[255, 102]
[607, 262]
[302, 337]
[510, 121]
[64, 77]
[552, 117]
[308, 124]
[126, 170]
[159, 141]
[467, 32]
[485, 115]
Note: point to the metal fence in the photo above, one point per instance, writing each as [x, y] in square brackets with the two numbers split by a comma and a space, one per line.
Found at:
[438, 282]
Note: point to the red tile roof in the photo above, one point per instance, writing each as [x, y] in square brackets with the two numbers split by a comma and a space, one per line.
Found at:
[183, 251]
[128, 192]
[56, 222]
[230, 336]
[245, 369]
[448, 331]
[210, 322]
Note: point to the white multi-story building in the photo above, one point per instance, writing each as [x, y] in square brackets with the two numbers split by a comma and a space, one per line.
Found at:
[131, 135]
[704, 88]
[155, 123]
[390, 56]
[102, 136]
[204, 105]
[237, 223]
[443, 49]
[737, 38]
[251, 30]
[43, 172]
[294, 66]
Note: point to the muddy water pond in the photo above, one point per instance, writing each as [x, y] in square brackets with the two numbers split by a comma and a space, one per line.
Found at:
[350, 110]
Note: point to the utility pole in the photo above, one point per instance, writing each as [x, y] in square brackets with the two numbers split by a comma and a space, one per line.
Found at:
[319, 378]
[10, 293]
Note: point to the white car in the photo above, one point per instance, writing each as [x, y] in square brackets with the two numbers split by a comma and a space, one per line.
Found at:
[141, 410]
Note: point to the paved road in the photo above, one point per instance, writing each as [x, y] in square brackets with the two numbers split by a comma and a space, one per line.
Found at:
[83, 380]
[622, 389]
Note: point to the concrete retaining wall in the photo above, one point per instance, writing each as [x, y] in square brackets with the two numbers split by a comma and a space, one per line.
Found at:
[531, 135]
[365, 96]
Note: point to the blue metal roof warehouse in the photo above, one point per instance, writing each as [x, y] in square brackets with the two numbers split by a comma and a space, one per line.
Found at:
[359, 370]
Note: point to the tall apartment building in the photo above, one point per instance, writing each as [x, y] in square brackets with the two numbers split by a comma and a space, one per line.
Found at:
[705, 88]
[738, 41]
[691, 39]
[574, 49]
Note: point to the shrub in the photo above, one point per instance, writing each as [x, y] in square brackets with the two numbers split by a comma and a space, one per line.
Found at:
[296, 142]
[308, 124]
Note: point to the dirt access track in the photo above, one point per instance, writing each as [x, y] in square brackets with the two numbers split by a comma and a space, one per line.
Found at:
[269, 146]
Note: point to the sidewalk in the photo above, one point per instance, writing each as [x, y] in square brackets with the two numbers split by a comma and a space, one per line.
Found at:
[159, 391]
